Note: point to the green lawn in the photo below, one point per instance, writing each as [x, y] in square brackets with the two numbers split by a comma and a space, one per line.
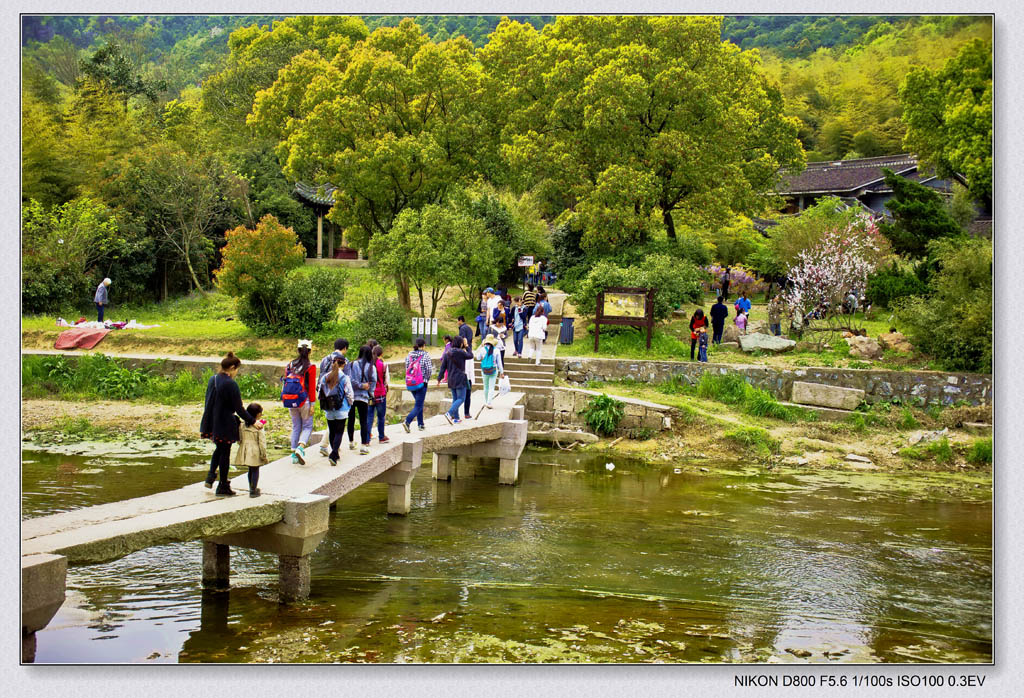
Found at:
[671, 342]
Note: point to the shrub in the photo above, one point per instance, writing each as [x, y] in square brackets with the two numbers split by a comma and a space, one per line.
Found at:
[603, 414]
[728, 388]
[980, 452]
[254, 386]
[254, 264]
[755, 439]
[120, 383]
[380, 318]
[676, 281]
[886, 286]
[954, 323]
[310, 301]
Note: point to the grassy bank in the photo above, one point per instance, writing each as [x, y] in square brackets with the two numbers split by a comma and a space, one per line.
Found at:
[723, 418]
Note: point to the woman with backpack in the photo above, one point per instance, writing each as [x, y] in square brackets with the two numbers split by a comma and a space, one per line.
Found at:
[363, 375]
[379, 405]
[418, 370]
[298, 394]
[221, 415]
[336, 401]
[491, 367]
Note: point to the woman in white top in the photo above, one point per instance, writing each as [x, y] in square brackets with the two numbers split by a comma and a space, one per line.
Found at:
[491, 366]
[537, 329]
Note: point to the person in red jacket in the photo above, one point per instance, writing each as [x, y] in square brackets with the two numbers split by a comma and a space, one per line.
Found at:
[302, 416]
[379, 406]
[698, 320]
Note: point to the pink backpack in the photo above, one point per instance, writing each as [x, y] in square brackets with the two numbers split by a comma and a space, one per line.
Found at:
[414, 373]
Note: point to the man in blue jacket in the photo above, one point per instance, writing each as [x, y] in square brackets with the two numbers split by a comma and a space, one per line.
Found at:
[101, 298]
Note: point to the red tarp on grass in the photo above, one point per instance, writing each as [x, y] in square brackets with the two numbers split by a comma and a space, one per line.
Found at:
[83, 337]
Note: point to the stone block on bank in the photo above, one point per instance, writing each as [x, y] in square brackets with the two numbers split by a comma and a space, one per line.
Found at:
[823, 395]
[864, 348]
[895, 341]
[765, 342]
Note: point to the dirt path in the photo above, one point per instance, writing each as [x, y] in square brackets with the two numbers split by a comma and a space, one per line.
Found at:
[181, 420]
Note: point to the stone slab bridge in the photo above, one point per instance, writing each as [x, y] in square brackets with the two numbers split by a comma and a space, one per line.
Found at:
[289, 519]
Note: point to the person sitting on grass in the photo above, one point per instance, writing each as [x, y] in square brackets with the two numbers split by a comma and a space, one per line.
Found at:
[252, 447]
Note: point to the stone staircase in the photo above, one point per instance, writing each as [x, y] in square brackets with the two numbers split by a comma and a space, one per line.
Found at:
[536, 381]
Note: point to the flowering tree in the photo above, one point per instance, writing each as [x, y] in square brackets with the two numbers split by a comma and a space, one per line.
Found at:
[826, 273]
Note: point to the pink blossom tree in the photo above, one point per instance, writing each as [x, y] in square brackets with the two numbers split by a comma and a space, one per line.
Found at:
[826, 273]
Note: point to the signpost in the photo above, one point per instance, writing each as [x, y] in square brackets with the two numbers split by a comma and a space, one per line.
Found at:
[526, 261]
[624, 305]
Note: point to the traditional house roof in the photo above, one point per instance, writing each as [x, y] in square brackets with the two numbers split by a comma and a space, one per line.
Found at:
[322, 195]
[845, 176]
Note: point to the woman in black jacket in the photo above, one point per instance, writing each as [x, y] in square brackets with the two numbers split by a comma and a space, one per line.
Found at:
[219, 423]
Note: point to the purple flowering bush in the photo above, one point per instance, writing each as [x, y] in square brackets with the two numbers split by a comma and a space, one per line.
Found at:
[740, 280]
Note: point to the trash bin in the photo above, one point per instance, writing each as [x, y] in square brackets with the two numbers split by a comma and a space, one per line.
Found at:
[565, 332]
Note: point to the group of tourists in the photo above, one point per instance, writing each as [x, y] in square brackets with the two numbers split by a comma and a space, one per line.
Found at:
[345, 389]
[718, 316]
[524, 319]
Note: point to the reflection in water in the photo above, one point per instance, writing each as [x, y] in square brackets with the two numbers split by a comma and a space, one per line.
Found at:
[576, 563]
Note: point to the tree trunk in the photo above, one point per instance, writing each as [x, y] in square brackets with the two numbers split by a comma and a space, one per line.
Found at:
[423, 307]
[435, 297]
[403, 293]
[192, 273]
[670, 226]
[163, 289]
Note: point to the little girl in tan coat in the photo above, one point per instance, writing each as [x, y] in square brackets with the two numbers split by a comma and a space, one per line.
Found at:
[252, 447]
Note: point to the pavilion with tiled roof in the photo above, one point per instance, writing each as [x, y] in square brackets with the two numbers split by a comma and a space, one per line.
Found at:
[321, 199]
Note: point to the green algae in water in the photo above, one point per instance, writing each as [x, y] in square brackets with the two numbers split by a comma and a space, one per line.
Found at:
[574, 564]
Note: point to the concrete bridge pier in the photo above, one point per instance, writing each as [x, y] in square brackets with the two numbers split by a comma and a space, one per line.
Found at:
[442, 466]
[43, 583]
[399, 477]
[293, 540]
[216, 565]
[506, 450]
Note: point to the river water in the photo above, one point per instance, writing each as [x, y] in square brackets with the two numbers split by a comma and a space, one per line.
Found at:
[578, 563]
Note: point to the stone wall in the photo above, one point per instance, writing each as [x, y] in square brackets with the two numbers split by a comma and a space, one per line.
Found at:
[930, 387]
[570, 402]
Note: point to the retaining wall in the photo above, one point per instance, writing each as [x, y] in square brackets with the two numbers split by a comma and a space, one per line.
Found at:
[928, 387]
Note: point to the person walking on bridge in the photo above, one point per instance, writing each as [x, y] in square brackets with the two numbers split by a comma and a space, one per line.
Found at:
[336, 399]
[219, 423]
[491, 367]
[418, 370]
[364, 382]
[301, 370]
[458, 382]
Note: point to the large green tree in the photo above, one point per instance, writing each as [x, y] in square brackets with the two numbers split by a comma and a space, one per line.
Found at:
[626, 116]
[948, 114]
[393, 122]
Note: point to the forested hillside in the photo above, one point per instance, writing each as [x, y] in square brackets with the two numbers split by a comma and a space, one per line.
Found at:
[595, 124]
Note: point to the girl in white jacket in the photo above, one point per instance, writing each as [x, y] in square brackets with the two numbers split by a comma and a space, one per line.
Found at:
[537, 329]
